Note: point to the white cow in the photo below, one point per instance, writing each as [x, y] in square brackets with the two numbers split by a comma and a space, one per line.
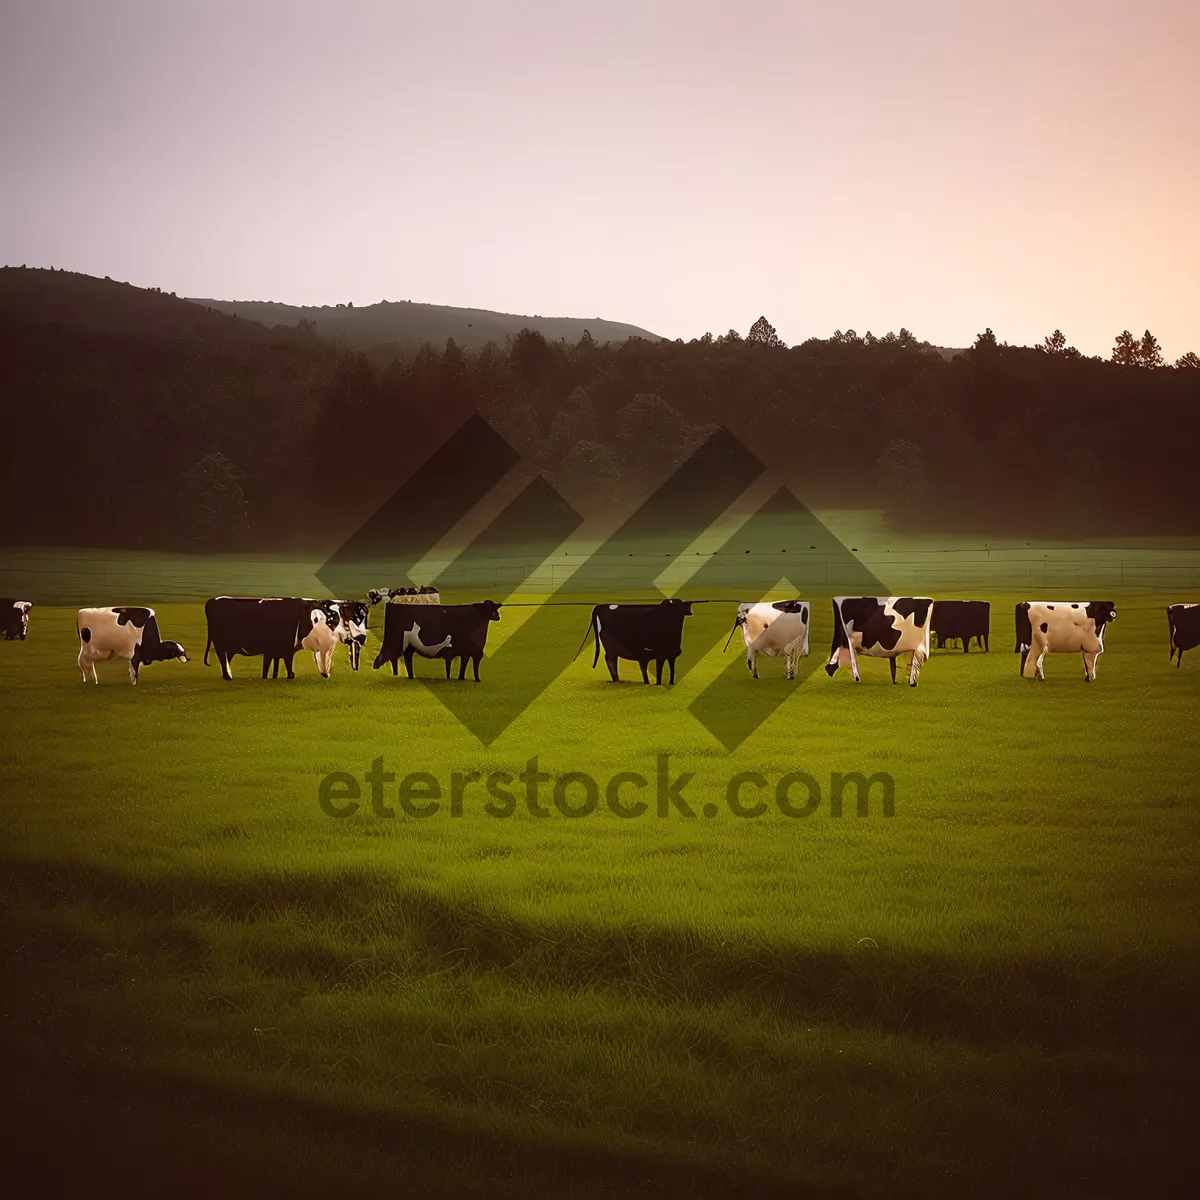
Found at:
[779, 628]
[1061, 627]
[125, 632]
[322, 639]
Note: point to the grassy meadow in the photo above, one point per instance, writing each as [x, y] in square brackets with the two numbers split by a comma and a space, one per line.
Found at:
[990, 991]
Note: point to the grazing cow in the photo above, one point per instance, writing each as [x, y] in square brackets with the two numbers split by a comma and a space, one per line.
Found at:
[123, 632]
[1061, 628]
[412, 595]
[961, 620]
[642, 633]
[275, 627]
[773, 629]
[446, 631]
[1183, 620]
[880, 627]
[15, 617]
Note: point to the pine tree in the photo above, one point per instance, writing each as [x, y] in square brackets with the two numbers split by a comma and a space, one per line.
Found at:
[1149, 351]
[1127, 352]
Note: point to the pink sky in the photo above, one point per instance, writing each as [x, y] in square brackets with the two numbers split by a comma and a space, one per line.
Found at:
[943, 166]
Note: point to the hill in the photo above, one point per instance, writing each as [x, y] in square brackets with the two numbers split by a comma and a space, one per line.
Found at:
[406, 323]
[108, 306]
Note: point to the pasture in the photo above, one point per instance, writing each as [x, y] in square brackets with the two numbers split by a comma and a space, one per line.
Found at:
[991, 990]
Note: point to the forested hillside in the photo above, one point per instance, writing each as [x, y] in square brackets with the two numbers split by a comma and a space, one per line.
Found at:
[392, 327]
[134, 419]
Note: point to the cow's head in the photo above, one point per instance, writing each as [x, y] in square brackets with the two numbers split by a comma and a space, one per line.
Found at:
[169, 652]
[491, 609]
[683, 607]
[374, 596]
[738, 621]
[1101, 611]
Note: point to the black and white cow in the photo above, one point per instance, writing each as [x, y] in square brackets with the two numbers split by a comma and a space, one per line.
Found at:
[961, 620]
[1061, 628]
[436, 631]
[1183, 620]
[641, 633]
[773, 629]
[350, 618]
[275, 627]
[412, 595]
[15, 617]
[124, 632]
[880, 627]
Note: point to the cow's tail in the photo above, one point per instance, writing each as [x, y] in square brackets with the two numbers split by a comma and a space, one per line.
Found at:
[739, 620]
[593, 628]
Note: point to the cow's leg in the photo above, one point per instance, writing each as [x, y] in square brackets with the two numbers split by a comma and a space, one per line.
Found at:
[644, 663]
[966, 644]
[892, 662]
[1024, 657]
[659, 663]
[82, 664]
[396, 665]
[1180, 662]
[408, 663]
[1089, 665]
[914, 669]
[1039, 667]
[462, 666]
[671, 664]
[610, 661]
[133, 672]
[226, 661]
[475, 661]
[266, 665]
[287, 662]
[447, 660]
[983, 641]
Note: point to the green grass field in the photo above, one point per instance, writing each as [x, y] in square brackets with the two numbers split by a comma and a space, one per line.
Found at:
[991, 991]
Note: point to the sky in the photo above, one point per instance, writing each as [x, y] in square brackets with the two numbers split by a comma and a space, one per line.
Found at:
[940, 165]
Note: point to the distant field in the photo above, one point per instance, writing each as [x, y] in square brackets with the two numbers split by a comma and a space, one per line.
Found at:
[990, 991]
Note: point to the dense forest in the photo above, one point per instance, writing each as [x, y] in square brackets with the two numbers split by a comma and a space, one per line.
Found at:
[135, 419]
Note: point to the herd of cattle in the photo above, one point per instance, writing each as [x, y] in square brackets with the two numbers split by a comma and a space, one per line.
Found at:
[416, 623]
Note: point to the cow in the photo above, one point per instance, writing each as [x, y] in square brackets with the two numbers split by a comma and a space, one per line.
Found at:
[880, 627]
[126, 632]
[773, 629]
[350, 618]
[1183, 620]
[15, 617]
[1061, 628]
[642, 633]
[412, 595]
[962, 620]
[321, 638]
[448, 632]
[275, 627]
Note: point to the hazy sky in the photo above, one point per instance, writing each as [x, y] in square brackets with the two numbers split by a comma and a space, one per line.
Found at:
[944, 166]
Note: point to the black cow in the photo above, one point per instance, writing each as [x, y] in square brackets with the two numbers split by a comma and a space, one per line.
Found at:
[14, 616]
[880, 627]
[961, 620]
[642, 633]
[1183, 620]
[272, 627]
[447, 632]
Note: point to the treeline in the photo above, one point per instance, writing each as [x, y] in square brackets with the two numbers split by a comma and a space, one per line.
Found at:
[287, 442]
